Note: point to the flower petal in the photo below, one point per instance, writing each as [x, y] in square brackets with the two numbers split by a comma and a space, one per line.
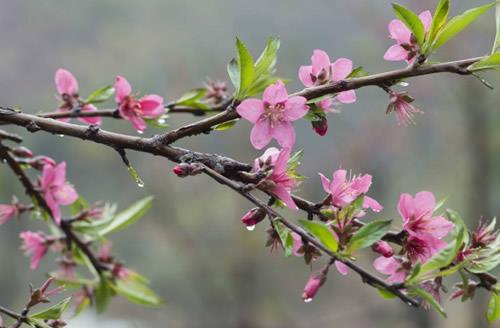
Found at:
[405, 206]
[396, 53]
[399, 32]
[284, 134]
[426, 19]
[283, 194]
[305, 76]
[371, 203]
[251, 109]
[90, 120]
[65, 82]
[282, 161]
[295, 108]
[342, 67]
[261, 134]
[152, 106]
[423, 204]
[275, 93]
[320, 62]
[346, 97]
[386, 265]
[325, 182]
[65, 194]
[122, 88]
[342, 268]
[439, 227]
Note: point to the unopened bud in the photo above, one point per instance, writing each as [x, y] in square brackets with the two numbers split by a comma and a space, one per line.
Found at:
[252, 217]
[316, 280]
[184, 169]
[321, 126]
[22, 152]
[39, 162]
[383, 248]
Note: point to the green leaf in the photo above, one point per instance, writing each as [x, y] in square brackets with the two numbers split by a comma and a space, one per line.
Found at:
[458, 23]
[128, 216]
[267, 60]
[358, 72]
[322, 233]
[496, 44]
[100, 95]
[485, 260]
[54, 312]
[226, 125]
[103, 294]
[158, 122]
[233, 70]
[493, 307]
[191, 96]
[459, 223]
[491, 62]
[411, 20]
[246, 68]
[369, 234]
[294, 160]
[385, 293]
[135, 289]
[438, 20]
[285, 237]
[424, 295]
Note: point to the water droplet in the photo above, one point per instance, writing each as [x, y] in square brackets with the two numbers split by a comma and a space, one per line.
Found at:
[308, 300]
[404, 84]
[140, 132]
[409, 303]
[161, 121]
[60, 135]
[251, 227]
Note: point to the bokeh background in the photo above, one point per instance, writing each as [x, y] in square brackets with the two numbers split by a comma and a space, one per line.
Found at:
[212, 272]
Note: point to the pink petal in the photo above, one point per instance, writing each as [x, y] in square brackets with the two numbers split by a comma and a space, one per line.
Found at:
[362, 184]
[270, 152]
[122, 88]
[396, 53]
[320, 62]
[325, 182]
[284, 134]
[54, 207]
[65, 195]
[386, 265]
[284, 194]
[439, 227]
[339, 178]
[65, 82]
[251, 109]
[423, 204]
[305, 76]
[369, 202]
[426, 18]
[59, 174]
[399, 32]
[90, 120]
[152, 106]
[138, 123]
[342, 67]
[282, 161]
[295, 108]
[275, 93]
[297, 244]
[261, 134]
[346, 97]
[63, 110]
[326, 105]
[342, 268]
[405, 206]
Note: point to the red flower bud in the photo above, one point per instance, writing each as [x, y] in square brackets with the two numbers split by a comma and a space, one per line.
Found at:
[23, 152]
[254, 216]
[181, 170]
[320, 127]
[383, 248]
[314, 283]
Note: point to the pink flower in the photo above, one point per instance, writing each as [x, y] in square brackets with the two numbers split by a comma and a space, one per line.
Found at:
[104, 254]
[344, 191]
[282, 182]
[341, 268]
[119, 271]
[7, 212]
[136, 110]
[312, 286]
[383, 248]
[272, 116]
[417, 215]
[56, 190]
[322, 71]
[252, 217]
[67, 87]
[421, 247]
[34, 244]
[400, 104]
[406, 47]
[391, 266]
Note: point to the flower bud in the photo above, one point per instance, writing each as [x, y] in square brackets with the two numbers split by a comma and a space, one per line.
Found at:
[383, 248]
[22, 152]
[254, 216]
[321, 126]
[181, 170]
[40, 161]
[7, 212]
[316, 280]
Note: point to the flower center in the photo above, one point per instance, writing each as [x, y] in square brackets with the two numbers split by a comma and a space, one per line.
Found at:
[133, 105]
[274, 113]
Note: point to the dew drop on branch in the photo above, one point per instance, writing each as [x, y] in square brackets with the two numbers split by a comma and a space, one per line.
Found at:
[251, 227]
[308, 300]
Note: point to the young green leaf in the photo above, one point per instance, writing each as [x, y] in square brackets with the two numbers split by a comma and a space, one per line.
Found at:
[100, 95]
[191, 95]
[424, 295]
[128, 216]
[411, 20]
[267, 60]
[137, 291]
[493, 307]
[246, 68]
[54, 312]
[458, 23]
[285, 237]
[369, 234]
[102, 295]
[496, 44]
[226, 125]
[491, 62]
[233, 70]
[385, 293]
[322, 233]
[438, 20]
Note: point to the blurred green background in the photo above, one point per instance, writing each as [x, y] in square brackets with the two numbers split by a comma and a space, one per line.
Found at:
[213, 272]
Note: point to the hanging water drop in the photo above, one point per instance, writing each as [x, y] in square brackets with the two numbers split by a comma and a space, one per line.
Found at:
[307, 300]
[404, 84]
[60, 135]
[251, 227]
[140, 132]
[136, 176]
[161, 121]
